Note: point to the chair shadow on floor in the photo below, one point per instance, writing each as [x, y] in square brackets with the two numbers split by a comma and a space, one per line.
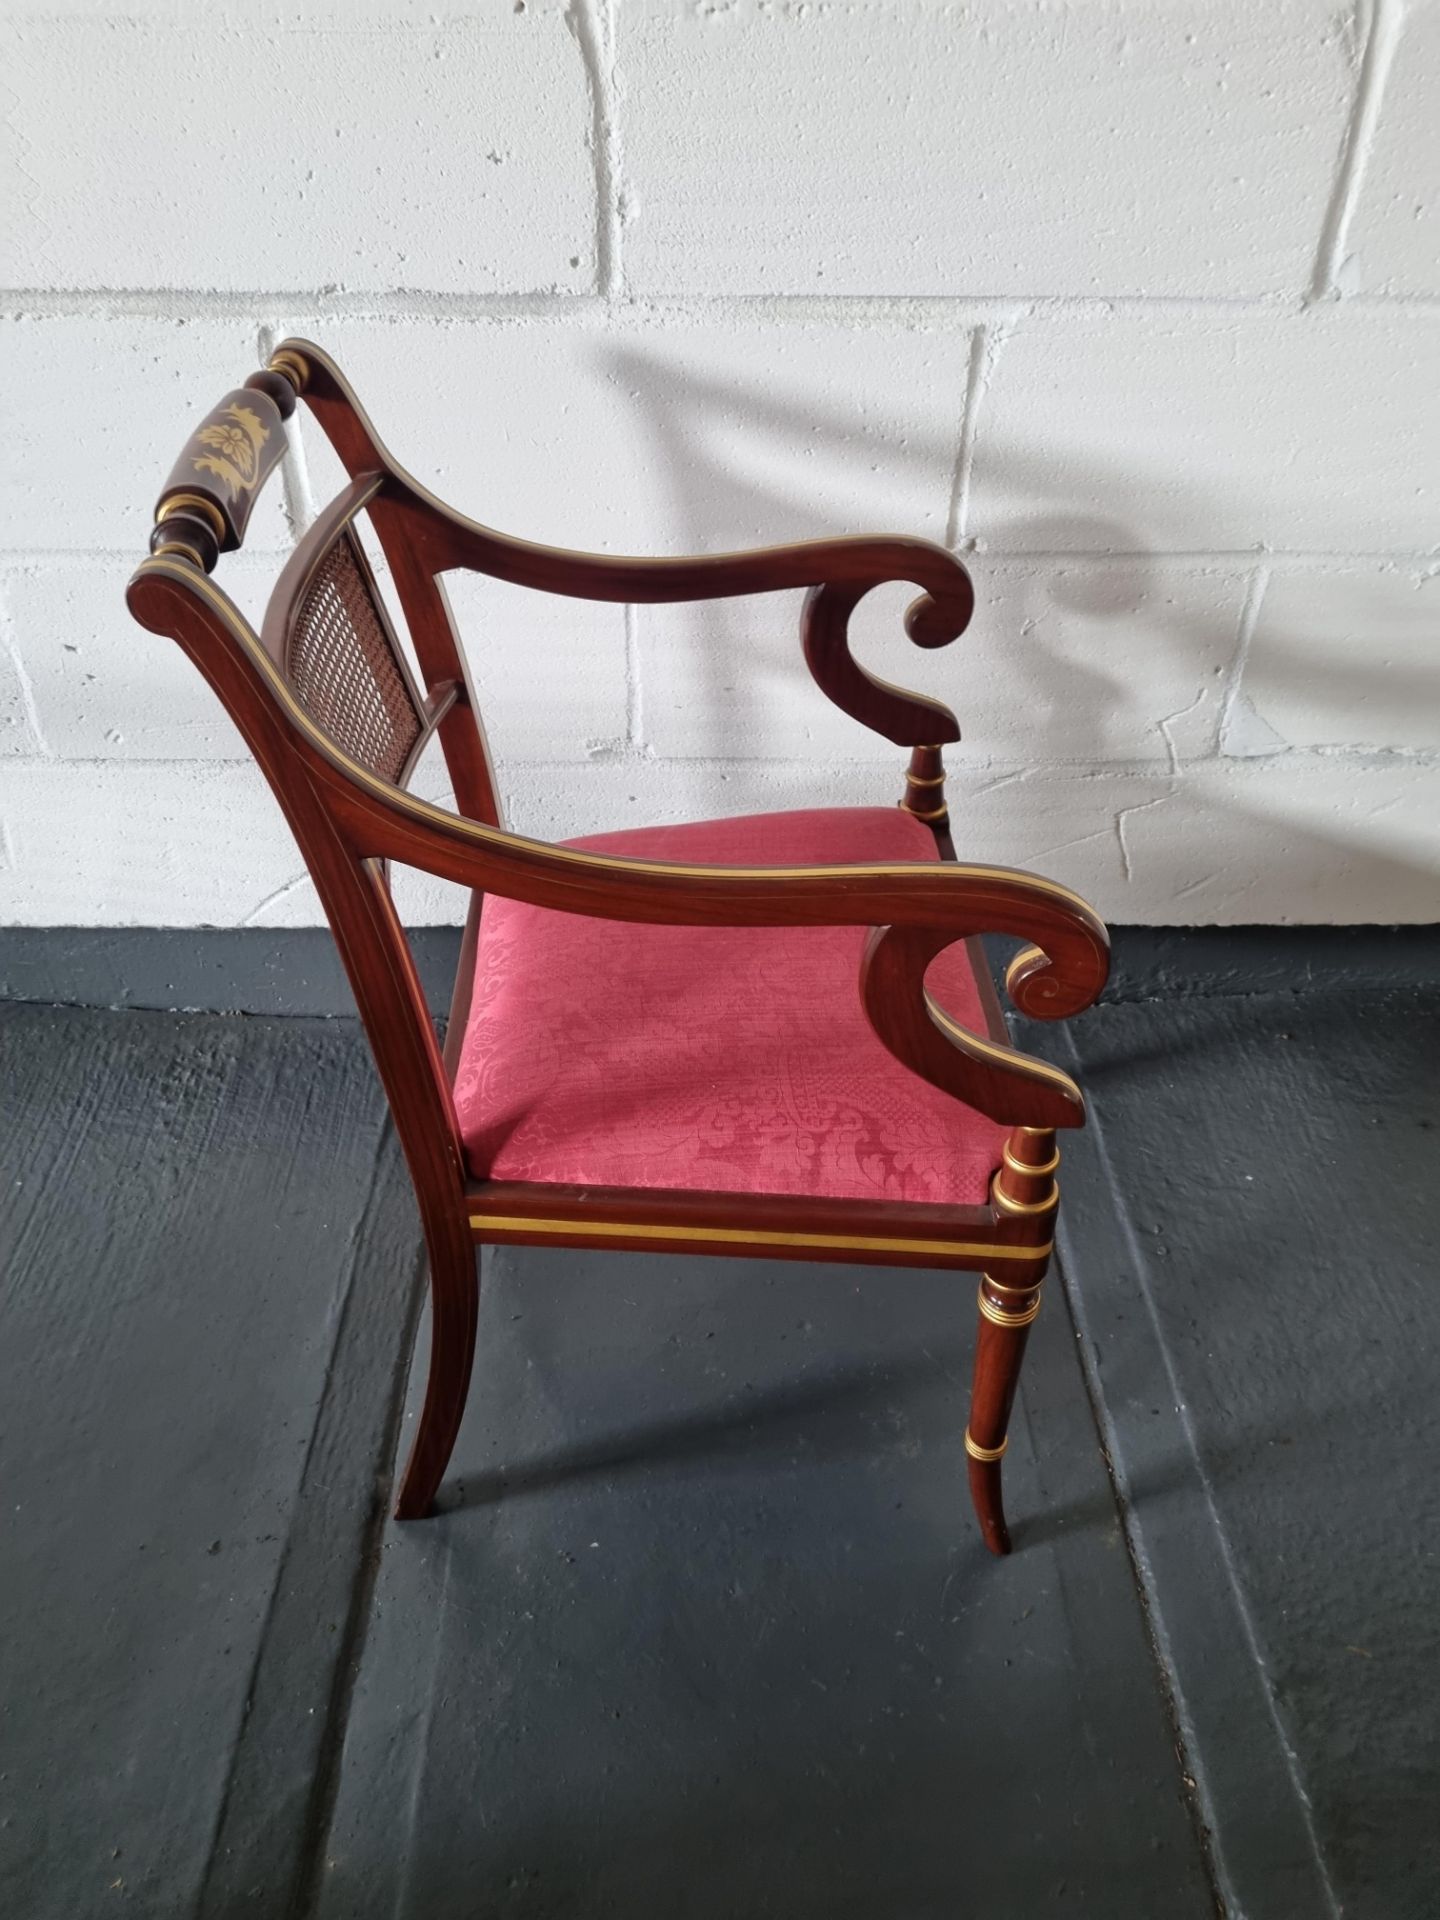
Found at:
[833, 1417]
[746, 1654]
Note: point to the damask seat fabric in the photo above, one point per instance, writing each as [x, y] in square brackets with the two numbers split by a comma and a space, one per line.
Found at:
[731, 1059]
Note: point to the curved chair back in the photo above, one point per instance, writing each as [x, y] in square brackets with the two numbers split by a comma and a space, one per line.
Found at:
[325, 697]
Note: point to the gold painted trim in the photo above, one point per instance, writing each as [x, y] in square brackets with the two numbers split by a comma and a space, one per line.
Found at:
[1032, 1068]
[1002, 1317]
[1019, 1166]
[191, 503]
[174, 544]
[233, 438]
[933, 813]
[1019, 1293]
[927, 780]
[745, 1237]
[296, 370]
[1001, 1199]
[985, 1455]
[479, 834]
[1017, 961]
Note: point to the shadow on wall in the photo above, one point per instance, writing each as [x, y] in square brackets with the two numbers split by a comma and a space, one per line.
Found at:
[743, 673]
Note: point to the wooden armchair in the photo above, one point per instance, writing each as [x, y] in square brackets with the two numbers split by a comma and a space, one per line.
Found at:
[775, 1035]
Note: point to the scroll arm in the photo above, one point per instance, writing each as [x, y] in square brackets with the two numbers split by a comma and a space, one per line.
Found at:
[1000, 1081]
[933, 620]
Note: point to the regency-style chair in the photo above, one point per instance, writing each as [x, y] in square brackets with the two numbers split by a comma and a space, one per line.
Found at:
[768, 1036]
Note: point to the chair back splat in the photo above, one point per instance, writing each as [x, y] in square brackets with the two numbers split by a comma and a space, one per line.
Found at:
[917, 1134]
[345, 665]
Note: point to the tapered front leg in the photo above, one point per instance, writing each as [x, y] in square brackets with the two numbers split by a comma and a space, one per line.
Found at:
[1024, 1189]
[1005, 1316]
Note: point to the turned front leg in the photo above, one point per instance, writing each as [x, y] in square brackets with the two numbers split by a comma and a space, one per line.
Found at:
[1023, 1189]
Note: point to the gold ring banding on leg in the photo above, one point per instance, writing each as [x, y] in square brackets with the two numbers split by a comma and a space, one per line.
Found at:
[1016, 1293]
[999, 1317]
[1003, 1200]
[1019, 1166]
[984, 1454]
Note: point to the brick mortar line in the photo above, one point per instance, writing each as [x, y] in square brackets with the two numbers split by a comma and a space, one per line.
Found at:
[395, 305]
[634, 683]
[958, 504]
[987, 344]
[11, 650]
[17, 559]
[1380, 21]
[592, 24]
[1358, 759]
[1233, 685]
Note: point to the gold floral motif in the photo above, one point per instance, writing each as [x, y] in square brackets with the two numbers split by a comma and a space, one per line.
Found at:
[235, 455]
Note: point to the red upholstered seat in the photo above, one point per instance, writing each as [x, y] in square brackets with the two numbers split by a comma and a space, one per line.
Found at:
[733, 1059]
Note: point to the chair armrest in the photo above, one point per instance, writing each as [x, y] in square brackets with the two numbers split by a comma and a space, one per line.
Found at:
[915, 912]
[1049, 980]
[838, 572]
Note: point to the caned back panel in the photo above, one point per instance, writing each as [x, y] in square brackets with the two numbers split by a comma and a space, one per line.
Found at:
[345, 668]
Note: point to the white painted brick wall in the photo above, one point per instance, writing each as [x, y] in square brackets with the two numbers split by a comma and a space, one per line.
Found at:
[286, 123]
[1344, 656]
[665, 431]
[866, 147]
[1316, 431]
[1134, 302]
[1395, 247]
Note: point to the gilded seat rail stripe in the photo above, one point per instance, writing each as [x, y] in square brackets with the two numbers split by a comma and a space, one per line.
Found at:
[751, 1237]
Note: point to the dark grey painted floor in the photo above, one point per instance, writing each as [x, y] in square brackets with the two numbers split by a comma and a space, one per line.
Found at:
[1252, 1244]
[208, 1251]
[705, 1628]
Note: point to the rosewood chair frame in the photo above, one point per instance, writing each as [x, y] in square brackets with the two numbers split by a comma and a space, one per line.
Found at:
[351, 820]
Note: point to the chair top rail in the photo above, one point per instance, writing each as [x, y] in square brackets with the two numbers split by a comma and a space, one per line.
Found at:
[837, 572]
[204, 507]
